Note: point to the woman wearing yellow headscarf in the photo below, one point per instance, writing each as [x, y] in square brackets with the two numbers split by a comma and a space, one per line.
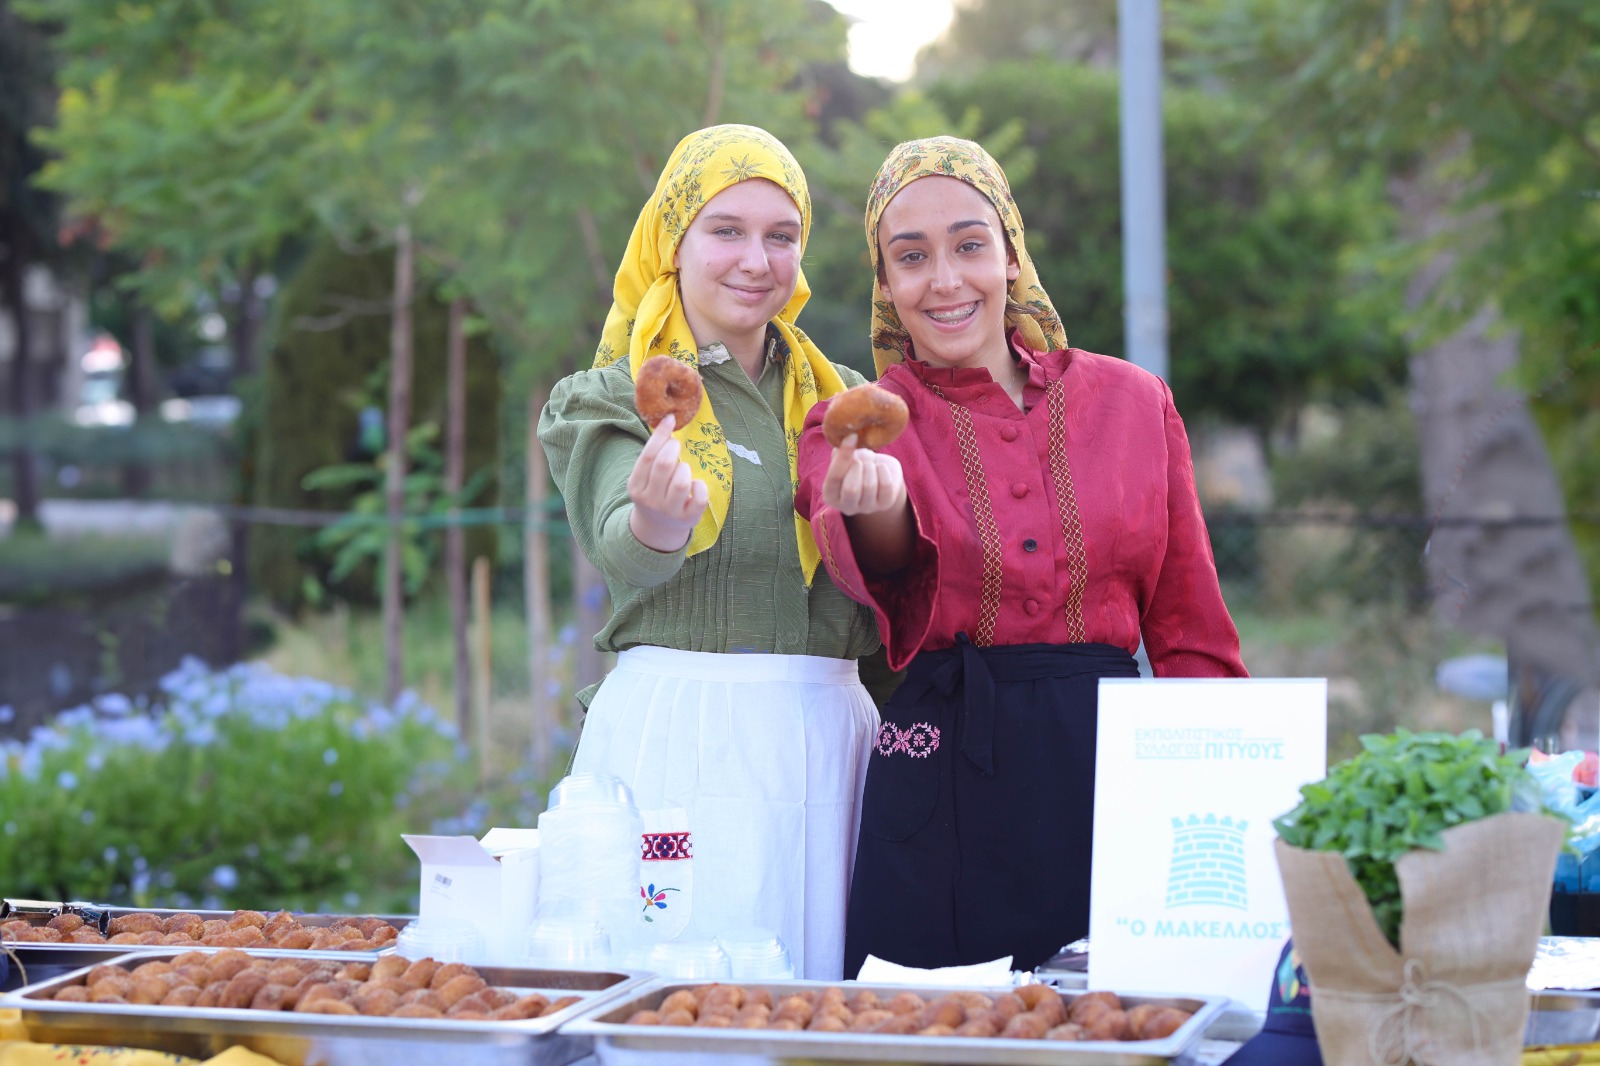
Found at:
[736, 698]
[1037, 517]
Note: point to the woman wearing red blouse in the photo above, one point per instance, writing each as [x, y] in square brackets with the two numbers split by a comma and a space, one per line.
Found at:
[1036, 519]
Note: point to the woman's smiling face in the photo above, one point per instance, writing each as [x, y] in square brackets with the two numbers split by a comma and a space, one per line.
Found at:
[947, 270]
[738, 262]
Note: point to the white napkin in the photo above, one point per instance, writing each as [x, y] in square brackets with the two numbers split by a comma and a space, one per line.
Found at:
[878, 971]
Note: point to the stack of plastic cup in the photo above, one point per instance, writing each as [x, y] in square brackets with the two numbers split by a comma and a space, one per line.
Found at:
[754, 957]
[589, 841]
[690, 960]
[568, 943]
[445, 940]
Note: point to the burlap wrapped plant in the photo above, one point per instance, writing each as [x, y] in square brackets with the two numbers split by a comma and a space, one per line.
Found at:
[1416, 899]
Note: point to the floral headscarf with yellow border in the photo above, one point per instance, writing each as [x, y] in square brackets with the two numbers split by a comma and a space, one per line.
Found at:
[647, 316]
[1028, 306]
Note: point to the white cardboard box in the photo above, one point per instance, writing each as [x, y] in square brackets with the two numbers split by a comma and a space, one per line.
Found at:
[492, 883]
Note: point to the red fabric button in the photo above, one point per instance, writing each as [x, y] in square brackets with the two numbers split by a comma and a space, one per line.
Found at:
[1008, 433]
[1031, 607]
[1019, 490]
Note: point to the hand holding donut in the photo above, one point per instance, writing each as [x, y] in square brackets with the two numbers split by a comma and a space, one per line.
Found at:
[861, 481]
[667, 500]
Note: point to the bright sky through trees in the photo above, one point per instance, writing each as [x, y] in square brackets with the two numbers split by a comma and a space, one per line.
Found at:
[885, 34]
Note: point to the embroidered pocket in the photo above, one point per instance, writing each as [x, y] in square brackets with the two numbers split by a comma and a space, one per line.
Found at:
[666, 875]
[903, 774]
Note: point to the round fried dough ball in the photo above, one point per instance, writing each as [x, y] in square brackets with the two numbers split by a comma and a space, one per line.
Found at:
[183, 922]
[101, 972]
[427, 997]
[365, 971]
[389, 966]
[980, 1026]
[459, 987]
[181, 996]
[529, 1006]
[295, 939]
[137, 922]
[867, 1020]
[416, 1010]
[1025, 1026]
[376, 1001]
[242, 989]
[227, 964]
[1108, 1025]
[148, 990]
[560, 1005]
[448, 972]
[683, 999]
[1091, 1001]
[1159, 1024]
[420, 973]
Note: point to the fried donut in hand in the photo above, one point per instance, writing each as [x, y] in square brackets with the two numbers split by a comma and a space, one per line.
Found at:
[875, 415]
[665, 386]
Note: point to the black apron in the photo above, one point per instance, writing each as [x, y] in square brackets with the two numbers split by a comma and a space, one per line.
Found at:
[978, 817]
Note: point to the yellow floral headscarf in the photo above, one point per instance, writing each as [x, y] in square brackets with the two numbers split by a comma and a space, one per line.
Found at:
[647, 315]
[1028, 307]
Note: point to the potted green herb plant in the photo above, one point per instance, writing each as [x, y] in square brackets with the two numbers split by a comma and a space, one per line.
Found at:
[1416, 897]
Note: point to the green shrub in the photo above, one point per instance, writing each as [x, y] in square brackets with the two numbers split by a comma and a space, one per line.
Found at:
[235, 788]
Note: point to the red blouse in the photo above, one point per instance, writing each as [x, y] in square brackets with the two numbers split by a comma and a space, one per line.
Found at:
[1073, 521]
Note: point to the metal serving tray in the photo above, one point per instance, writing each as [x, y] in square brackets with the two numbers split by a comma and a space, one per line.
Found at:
[296, 1039]
[44, 960]
[604, 1023]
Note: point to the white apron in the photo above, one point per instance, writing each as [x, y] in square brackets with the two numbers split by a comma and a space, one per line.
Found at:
[767, 756]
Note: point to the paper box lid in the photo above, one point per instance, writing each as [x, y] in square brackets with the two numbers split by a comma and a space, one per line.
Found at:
[499, 841]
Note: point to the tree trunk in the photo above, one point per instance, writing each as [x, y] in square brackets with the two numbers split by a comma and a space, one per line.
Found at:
[247, 323]
[400, 356]
[1485, 471]
[24, 464]
[536, 589]
[141, 394]
[455, 538]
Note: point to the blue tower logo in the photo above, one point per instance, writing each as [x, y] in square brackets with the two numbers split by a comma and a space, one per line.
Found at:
[1207, 863]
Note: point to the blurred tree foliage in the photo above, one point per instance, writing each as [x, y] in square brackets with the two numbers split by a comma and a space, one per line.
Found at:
[324, 377]
[1264, 248]
[990, 32]
[1500, 99]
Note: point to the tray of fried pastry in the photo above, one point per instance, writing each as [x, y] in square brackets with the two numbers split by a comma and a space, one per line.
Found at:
[1032, 1025]
[333, 1011]
[86, 925]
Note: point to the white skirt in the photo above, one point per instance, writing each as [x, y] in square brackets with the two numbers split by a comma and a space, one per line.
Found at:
[767, 756]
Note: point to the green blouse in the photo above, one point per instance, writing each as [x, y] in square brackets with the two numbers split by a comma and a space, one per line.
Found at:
[745, 593]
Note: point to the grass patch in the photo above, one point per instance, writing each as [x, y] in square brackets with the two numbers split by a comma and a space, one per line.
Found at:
[37, 570]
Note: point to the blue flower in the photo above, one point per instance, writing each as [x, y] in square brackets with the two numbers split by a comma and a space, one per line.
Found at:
[336, 788]
[114, 704]
[67, 780]
[6, 713]
[329, 757]
[225, 877]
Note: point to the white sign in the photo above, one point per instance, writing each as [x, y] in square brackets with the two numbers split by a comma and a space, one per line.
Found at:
[1189, 773]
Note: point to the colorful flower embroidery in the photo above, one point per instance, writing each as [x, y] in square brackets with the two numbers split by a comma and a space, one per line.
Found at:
[918, 740]
[654, 898]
